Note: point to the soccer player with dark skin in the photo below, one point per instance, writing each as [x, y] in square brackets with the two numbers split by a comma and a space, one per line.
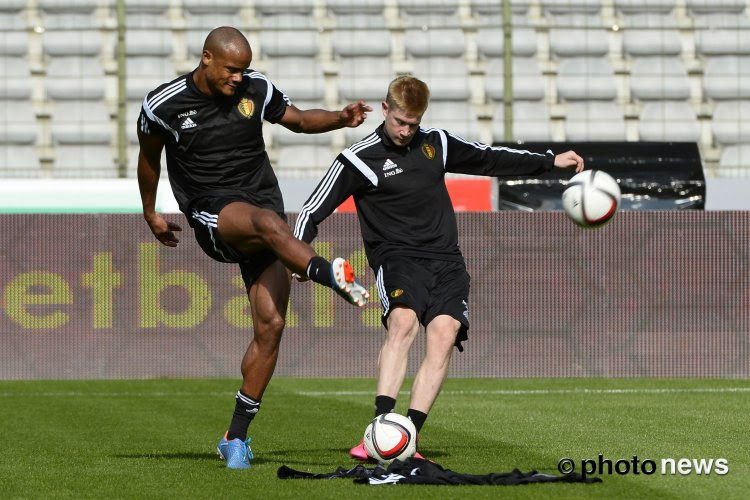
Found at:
[210, 123]
[396, 176]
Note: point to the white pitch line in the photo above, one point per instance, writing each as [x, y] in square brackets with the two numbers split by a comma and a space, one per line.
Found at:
[526, 392]
[76, 394]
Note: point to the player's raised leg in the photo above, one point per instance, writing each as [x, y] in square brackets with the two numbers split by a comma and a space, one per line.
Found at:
[248, 229]
[269, 296]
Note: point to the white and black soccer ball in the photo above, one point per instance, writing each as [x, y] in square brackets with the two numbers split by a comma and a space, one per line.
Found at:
[592, 198]
[389, 437]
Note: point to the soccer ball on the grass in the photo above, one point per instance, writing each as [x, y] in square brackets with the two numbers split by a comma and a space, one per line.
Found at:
[591, 198]
[389, 437]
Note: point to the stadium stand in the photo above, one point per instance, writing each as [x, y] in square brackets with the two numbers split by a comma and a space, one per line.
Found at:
[18, 128]
[582, 70]
[209, 14]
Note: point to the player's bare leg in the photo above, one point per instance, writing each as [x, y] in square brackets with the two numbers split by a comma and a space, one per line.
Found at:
[268, 296]
[392, 360]
[441, 337]
[248, 229]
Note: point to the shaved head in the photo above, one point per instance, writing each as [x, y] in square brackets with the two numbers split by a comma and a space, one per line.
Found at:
[226, 55]
[226, 39]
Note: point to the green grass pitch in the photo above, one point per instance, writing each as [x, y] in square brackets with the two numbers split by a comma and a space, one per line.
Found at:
[157, 438]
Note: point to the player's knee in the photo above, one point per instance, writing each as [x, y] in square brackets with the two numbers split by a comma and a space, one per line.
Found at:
[270, 226]
[268, 330]
[402, 327]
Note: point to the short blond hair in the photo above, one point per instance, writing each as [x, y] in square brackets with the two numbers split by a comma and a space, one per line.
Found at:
[409, 94]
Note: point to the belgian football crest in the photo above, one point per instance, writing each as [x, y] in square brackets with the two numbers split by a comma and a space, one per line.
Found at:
[428, 150]
[246, 107]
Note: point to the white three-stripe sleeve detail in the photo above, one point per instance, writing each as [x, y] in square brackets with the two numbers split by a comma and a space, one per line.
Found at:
[166, 90]
[444, 142]
[269, 91]
[361, 166]
[152, 116]
[482, 146]
[317, 198]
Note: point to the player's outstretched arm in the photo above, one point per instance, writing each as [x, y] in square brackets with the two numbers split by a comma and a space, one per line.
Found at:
[569, 159]
[149, 170]
[315, 121]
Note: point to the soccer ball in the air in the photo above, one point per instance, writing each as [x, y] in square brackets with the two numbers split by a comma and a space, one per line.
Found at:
[389, 437]
[591, 198]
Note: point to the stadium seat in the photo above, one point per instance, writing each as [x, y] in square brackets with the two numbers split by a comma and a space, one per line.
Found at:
[581, 78]
[631, 7]
[563, 7]
[435, 42]
[659, 78]
[730, 122]
[14, 66]
[361, 42]
[18, 136]
[531, 122]
[285, 13]
[364, 78]
[288, 42]
[727, 77]
[668, 121]
[210, 14]
[146, 14]
[350, 13]
[594, 121]
[709, 7]
[82, 134]
[528, 82]
[69, 14]
[483, 9]
[454, 116]
[491, 42]
[651, 34]
[300, 78]
[13, 43]
[11, 15]
[74, 68]
[723, 34]
[735, 161]
[447, 77]
[307, 160]
[149, 61]
[578, 35]
[427, 14]
[283, 137]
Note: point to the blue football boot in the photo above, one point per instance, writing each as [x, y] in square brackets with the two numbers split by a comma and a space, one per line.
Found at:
[236, 452]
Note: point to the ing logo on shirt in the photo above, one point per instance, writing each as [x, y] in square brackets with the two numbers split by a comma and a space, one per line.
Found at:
[397, 293]
[246, 107]
[428, 150]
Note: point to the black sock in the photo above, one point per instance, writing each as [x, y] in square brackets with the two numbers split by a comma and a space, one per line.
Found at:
[384, 404]
[319, 270]
[417, 418]
[245, 409]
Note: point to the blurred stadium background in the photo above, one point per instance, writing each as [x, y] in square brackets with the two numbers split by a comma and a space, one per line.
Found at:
[651, 294]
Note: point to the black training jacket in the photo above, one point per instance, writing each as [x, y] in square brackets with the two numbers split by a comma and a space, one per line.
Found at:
[400, 193]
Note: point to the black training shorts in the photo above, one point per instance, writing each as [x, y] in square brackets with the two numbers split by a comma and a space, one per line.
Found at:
[204, 217]
[427, 286]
